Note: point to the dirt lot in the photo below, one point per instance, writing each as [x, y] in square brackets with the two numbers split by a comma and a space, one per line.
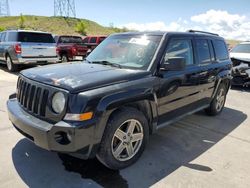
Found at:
[198, 151]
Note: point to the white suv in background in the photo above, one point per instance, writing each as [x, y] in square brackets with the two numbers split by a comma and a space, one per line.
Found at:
[26, 47]
[241, 52]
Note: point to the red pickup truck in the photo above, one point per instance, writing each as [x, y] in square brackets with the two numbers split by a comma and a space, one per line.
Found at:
[70, 48]
[93, 41]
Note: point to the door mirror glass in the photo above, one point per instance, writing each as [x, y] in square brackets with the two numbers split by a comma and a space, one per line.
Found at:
[174, 64]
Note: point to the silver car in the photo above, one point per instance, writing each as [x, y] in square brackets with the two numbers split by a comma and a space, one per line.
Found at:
[26, 47]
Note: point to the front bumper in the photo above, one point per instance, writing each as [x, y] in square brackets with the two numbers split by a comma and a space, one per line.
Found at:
[43, 134]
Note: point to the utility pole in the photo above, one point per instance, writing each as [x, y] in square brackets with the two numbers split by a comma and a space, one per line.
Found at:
[4, 8]
[64, 8]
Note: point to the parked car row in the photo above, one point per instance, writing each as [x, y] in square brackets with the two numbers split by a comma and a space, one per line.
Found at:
[20, 47]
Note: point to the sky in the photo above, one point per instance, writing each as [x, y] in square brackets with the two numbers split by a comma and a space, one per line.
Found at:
[229, 18]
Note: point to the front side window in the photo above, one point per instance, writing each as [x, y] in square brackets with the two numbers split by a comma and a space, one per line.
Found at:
[203, 51]
[180, 48]
[129, 51]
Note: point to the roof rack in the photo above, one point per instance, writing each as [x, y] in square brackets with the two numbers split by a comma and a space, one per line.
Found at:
[196, 31]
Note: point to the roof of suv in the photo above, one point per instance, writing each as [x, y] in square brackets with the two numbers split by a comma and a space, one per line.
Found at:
[19, 30]
[161, 33]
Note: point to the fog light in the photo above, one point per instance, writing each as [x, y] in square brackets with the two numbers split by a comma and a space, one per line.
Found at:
[63, 138]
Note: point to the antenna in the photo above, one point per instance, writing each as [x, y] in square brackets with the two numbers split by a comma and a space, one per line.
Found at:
[4, 8]
[64, 8]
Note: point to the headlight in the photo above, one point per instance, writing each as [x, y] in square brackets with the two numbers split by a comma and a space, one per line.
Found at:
[58, 102]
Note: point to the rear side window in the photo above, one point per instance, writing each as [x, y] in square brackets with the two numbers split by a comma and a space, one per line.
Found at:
[12, 37]
[3, 37]
[180, 48]
[35, 37]
[220, 49]
[203, 51]
[93, 40]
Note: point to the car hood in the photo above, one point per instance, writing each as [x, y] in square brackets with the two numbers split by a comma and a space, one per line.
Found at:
[240, 56]
[77, 76]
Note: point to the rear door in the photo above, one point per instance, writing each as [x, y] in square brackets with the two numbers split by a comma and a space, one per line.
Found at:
[209, 69]
[37, 44]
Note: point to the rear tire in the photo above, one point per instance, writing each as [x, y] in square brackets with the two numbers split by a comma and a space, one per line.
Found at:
[10, 65]
[64, 58]
[124, 139]
[218, 102]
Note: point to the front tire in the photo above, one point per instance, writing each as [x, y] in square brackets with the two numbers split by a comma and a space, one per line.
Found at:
[10, 65]
[124, 139]
[218, 102]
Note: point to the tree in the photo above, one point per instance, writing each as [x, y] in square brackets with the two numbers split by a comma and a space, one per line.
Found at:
[21, 22]
[81, 28]
[2, 28]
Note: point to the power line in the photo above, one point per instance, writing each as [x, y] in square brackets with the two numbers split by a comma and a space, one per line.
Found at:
[65, 8]
[4, 8]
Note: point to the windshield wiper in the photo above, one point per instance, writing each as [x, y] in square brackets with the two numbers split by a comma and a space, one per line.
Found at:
[107, 63]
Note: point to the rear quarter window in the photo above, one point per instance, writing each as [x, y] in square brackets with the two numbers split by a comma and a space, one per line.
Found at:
[12, 37]
[221, 51]
[35, 37]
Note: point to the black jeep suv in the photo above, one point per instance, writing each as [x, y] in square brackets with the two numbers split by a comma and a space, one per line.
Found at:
[131, 85]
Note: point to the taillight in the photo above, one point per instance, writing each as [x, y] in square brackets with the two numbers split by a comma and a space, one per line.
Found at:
[18, 48]
[74, 50]
[57, 50]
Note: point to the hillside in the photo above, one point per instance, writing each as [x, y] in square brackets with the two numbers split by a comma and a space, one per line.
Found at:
[60, 25]
[56, 25]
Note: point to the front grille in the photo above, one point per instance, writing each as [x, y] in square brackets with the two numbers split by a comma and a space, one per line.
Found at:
[32, 97]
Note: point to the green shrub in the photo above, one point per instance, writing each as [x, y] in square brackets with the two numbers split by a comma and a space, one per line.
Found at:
[21, 22]
[2, 28]
[81, 28]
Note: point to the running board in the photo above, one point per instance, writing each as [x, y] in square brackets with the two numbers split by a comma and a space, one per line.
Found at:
[180, 117]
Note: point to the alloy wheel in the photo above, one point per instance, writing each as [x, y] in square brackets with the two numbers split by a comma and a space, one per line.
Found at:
[127, 140]
[8, 62]
[220, 99]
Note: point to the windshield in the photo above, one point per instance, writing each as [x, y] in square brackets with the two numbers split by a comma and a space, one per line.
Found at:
[66, 39]
[241, 48]
[127, 51]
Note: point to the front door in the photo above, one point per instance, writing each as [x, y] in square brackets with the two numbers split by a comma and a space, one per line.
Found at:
[179, 90]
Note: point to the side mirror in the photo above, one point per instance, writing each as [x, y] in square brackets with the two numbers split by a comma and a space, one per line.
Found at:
[174, 64]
